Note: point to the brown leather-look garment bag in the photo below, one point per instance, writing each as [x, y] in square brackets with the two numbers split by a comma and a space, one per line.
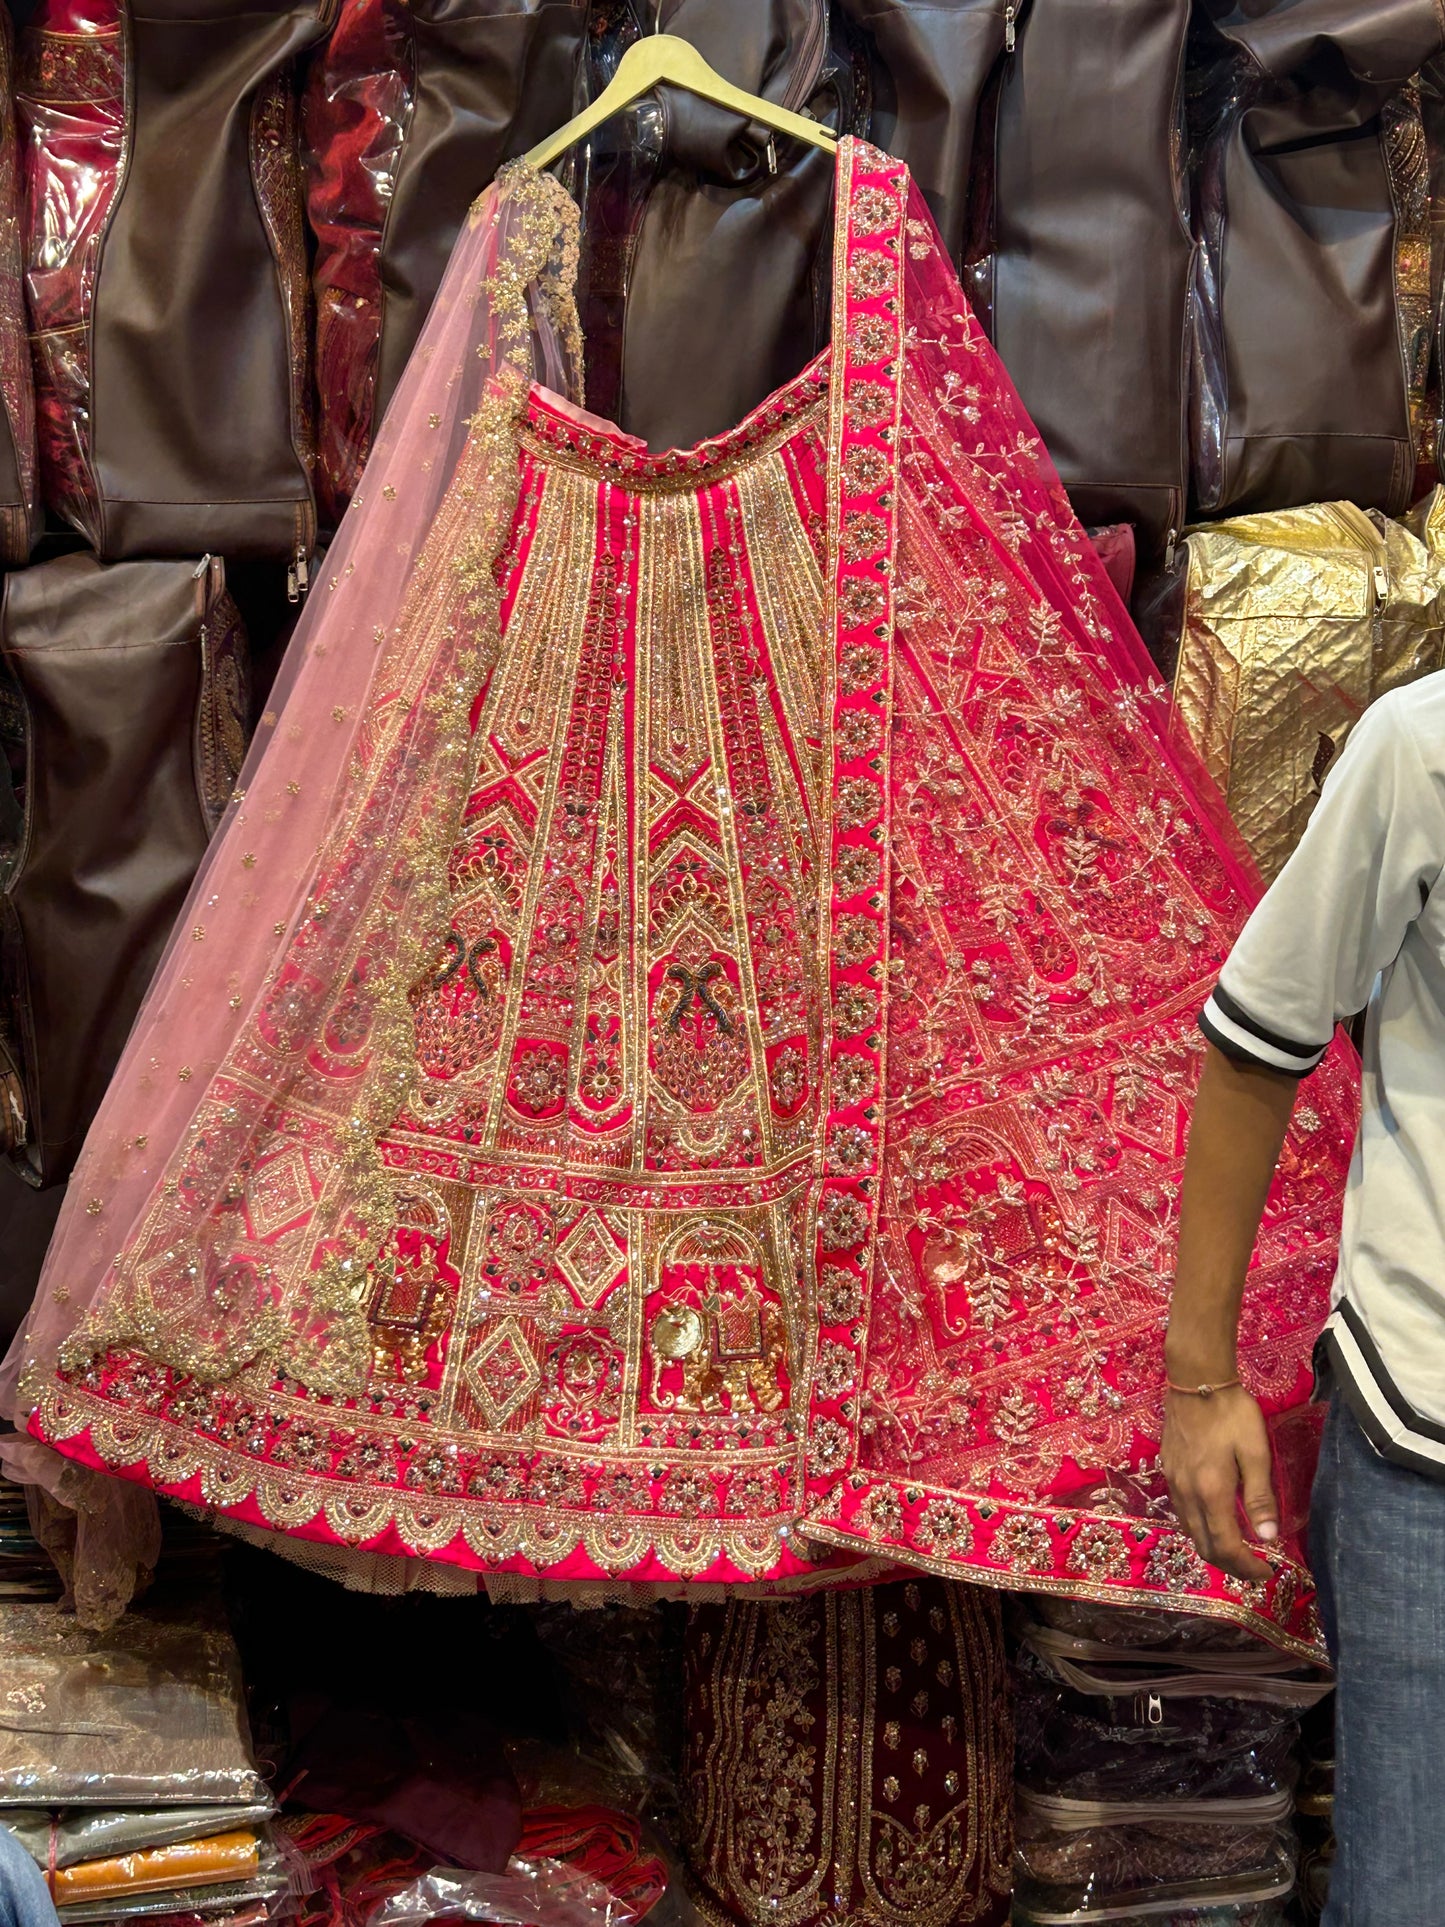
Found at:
[410, 109]
[131, 678]
[726, 289]
[933, 68]
[200, 379]
[1084, 276]
[1313, 284]
[705, 257]
[491, 80]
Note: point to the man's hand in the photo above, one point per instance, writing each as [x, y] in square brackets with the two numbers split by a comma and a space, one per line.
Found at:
[1212, 1448]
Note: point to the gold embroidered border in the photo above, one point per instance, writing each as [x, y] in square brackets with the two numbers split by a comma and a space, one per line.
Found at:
[1113, 1593]
[310, 1505]
[563, 452]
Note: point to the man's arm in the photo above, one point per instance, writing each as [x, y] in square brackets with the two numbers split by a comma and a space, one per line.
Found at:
[1215, 1446]
[1336, 915]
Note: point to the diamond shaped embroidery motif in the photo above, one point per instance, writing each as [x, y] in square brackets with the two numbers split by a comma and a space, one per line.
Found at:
[278, 1192]
[502, 1373]
[589, 1258]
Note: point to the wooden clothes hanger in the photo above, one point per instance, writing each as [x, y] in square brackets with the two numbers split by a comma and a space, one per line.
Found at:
[664, 58]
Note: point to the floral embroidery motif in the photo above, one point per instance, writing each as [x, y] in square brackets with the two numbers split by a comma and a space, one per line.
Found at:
[864, 469]
[855, 1008]
[870, 275]
[871, 337]
[840, 1293]
[860, 800]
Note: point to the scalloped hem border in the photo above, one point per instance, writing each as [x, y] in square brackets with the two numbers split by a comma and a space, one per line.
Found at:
[549, 1543]
[941, 1531]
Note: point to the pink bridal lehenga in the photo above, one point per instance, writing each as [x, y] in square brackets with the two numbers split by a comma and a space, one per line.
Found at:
[675, 1069]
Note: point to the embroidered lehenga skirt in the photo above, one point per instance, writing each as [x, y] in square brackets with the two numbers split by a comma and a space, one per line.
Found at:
[850, 1756]
[714, 1107]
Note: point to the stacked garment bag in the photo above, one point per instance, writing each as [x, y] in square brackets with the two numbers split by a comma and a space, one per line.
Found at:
[932, 73]
[130, 679]
[1080, 252]
[1157, 1762]
[166, 273]
[408, 112]
[705, 279]
[19, 477]
[1315, 1812]
[162, 241]
[1312, 328]
[125, 1766]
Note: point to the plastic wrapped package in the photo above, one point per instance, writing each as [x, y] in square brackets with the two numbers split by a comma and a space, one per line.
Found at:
[607, 1847]
[440, 1778]
[246, 1913]
[358, 102]
[1270, 1912]
[350, 1867]
[1111, 1669]
[146, 1714]
[219, 1859]
[71, 101]
[63, 1840]
[1155, 1765]
[1143, 1746]
[263, 1884]
[531, 1893]
[1121, 1846]
[575, 1867]
[623, 1672]
[1142, 1626]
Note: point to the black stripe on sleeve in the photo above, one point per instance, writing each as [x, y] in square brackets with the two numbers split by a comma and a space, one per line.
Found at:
[1237, 1014]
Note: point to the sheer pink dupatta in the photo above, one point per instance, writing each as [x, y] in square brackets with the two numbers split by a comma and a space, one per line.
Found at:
[370, 677]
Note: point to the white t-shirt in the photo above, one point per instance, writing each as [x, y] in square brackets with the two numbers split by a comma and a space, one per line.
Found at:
[1356, 918]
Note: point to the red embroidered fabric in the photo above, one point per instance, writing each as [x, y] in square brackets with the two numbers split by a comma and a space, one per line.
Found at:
[20, 515]
[1059, 902]
[70, 96]
[355, 111]
[719, 1093]
[850, 1757]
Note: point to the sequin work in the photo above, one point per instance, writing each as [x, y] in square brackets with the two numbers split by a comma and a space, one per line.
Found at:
[850, 1758]
[784, 1117]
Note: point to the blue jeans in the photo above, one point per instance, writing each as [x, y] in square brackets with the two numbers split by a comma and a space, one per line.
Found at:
[1377, 1544]
[24, 1897]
